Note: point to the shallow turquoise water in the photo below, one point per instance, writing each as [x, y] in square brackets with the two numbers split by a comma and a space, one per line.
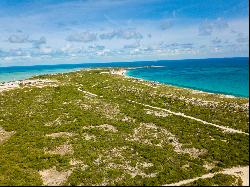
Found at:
[226, 76]
[13, 76]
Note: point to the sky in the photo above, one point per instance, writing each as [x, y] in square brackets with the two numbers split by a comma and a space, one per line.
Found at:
[36, 32]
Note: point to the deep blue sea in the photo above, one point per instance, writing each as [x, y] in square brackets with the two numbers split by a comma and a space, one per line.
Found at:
[222, 75]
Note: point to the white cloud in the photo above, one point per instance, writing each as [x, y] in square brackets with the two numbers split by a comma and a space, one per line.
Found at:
[97, 47]
[207, 27]
[38, 43]
[19, 38]
[175, 45]
[122, 34]
[220, 24]
[82, 37]
[132, 46]
[216, 41]
[241, 38]
[122, 43]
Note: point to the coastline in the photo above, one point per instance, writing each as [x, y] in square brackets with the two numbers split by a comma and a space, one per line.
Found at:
[117, 106]
[195, 91]
[123, 71]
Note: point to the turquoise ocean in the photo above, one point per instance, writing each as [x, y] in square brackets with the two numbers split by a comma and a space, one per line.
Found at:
[217, 75]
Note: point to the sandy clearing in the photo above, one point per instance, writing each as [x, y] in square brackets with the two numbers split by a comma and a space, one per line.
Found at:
[209, 165]
[227, 96]
[242, 172]
[108, 160]
[17, 84]
[156, 113]
[118, 72]
[104, 127]
[5, 135]
[8, 86]
[104, 72]
[149, 133]
[89, 136]
[78, 163]
[63, 149]
[128, 119]
[52, 177]
[60, 134]
[225, 129]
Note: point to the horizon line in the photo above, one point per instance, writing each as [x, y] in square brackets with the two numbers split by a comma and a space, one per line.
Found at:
[122, 62]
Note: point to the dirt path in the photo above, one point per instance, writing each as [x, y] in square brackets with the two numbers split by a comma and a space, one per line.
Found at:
[88, 93]
[242, 172]
[227, 129]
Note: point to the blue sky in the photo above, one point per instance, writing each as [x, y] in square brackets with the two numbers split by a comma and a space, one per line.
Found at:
[76, 31]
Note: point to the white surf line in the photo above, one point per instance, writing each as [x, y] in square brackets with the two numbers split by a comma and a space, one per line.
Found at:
[227, 129]
[242, 172]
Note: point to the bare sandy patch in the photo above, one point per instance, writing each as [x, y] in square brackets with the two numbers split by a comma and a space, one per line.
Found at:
[55, 122]
[109, 110]
[199, 102]
[89, 136]
[60, 134]
[226, 96]
[185, 166]
[242, 172]
[196, 91]
[63, 119]
[52, 177]
[123, 159]
[104, 127]
[157, 113]
[82, 103]
[209, 165]
[128, 119]
[133, 171]
[40, 83]
[104, 72]
[84, 106]
[118, 72]
[246, 105]
[61, 150]
[149, 133]
[8, 86]
[78, 164]
[5, 135]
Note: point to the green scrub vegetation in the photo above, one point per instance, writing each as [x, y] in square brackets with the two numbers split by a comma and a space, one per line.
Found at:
[85, 130]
